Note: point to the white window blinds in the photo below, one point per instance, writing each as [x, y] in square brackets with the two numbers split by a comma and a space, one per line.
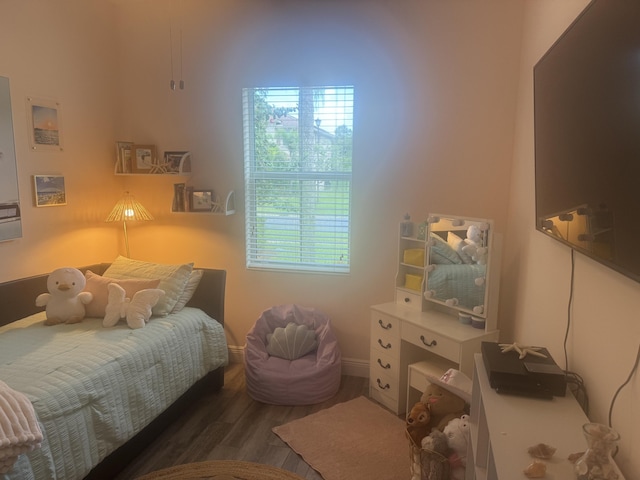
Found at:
[298, 155]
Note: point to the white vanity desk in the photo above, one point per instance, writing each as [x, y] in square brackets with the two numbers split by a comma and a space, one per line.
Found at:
[420, 333]
[406, 344]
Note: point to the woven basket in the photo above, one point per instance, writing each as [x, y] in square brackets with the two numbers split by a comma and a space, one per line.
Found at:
[427, 464]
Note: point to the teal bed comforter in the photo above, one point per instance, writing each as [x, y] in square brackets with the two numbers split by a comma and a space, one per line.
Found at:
[93, 388]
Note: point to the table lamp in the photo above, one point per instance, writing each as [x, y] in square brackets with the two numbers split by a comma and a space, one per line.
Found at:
[128, 209]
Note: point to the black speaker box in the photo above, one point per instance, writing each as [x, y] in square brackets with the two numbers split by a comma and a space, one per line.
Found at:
[531, 376]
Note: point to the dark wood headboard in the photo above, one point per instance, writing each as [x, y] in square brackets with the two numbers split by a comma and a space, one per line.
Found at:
[18, 297]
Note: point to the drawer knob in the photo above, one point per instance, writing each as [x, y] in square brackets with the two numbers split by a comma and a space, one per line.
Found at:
[386, 327]
[386, 367]
[386, 386]
[407, 300]
[386, 347]
[432, 343]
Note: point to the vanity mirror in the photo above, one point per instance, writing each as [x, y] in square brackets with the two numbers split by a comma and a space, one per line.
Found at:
[459, 255]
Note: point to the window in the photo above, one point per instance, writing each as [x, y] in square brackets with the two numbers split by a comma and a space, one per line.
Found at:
[298, 155]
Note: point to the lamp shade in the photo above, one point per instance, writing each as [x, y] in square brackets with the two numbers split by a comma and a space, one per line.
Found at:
[128, 209]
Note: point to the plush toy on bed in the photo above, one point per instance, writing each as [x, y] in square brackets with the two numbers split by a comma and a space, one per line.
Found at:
[65, 301]
[474, 247]
[136, 310]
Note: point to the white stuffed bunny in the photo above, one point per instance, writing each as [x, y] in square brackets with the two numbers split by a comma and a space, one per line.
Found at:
[457, 432]
[474, 247]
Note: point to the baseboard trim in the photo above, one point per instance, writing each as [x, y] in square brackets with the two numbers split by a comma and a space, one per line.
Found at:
[350, 366]
[236, 354]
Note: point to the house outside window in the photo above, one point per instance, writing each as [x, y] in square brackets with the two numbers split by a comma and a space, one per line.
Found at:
[298, 157]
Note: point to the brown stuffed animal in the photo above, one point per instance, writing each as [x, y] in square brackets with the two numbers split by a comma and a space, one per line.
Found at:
[443, 405]
[418, 421]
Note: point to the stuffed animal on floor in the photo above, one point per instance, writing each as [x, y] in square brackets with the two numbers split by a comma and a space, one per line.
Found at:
[444, 405]
[457, 433]
[65, 301]
[435, 465]
[418, 422]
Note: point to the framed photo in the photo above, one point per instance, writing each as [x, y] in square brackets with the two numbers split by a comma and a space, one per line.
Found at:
[143, 158]
[177, 162]
[45, 124]
[49, 190]
[123, 157]
[202, 201]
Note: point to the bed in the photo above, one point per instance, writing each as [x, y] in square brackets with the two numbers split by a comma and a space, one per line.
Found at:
[102, 394]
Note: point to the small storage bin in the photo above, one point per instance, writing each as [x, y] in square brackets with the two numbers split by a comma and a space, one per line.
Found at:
[414, 256]
[413, 282]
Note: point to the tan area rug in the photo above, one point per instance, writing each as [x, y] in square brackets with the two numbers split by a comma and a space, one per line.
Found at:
[221, 470]
[354, 440]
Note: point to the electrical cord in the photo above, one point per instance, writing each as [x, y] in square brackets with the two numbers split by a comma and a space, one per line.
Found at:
[574, 380]
[569, 307]
[615, 395]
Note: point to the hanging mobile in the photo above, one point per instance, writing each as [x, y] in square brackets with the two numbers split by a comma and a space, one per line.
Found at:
[181, 80]
[172, 82]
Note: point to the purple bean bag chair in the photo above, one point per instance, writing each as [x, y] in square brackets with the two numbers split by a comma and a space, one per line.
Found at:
[311, 378]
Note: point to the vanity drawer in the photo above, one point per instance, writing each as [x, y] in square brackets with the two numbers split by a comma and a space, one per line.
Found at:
[385, 384]
[384, 324]
[412, 300]
[431, 341]
[381, 363]
[385, 342]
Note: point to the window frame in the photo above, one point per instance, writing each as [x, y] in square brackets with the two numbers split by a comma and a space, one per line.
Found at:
[253, 174]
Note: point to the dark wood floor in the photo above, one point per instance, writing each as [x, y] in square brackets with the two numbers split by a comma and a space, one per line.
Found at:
[231, 425]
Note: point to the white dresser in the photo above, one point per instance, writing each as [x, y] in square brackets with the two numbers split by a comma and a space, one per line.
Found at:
[406, 344]
[503, 427]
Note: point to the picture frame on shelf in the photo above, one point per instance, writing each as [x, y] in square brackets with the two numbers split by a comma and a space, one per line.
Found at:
[143, 158]
[177, 161]
[202, 201]
[49, 190]
[45, 124]
[123, 156]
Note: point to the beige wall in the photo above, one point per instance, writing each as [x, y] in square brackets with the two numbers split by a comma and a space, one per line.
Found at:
[62, 51]
[603, 338]
[439, 85]
[435, 87]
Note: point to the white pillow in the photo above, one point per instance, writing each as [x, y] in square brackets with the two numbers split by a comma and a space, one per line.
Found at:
[173, 279]
[97, 285]
[189, 290]
[457, 244]
[291, 342]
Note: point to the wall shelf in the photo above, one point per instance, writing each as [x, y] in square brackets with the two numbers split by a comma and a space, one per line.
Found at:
[225, 208]
[172, 165]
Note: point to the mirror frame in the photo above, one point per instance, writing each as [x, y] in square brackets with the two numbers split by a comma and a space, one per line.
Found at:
[470, 253]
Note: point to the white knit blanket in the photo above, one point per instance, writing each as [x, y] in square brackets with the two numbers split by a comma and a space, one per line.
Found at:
[19, 429]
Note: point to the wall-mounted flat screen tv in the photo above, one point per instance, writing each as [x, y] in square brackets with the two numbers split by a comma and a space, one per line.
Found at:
[587, 136]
